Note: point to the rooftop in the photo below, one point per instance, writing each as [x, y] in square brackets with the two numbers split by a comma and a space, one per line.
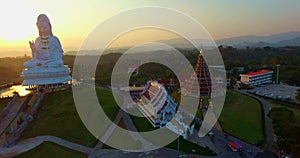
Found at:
[257, 73]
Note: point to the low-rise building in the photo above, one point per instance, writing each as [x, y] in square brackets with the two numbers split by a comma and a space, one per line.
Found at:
[257, 78]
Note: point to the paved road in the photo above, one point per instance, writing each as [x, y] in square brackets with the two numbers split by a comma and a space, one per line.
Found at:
[159, 153]
[31, 143]
[269, 131]
[219, 145]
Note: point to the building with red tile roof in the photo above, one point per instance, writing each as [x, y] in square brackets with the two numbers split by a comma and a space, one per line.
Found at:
[257, 77]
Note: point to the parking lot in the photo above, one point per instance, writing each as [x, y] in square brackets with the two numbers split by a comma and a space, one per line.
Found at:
[276, 91]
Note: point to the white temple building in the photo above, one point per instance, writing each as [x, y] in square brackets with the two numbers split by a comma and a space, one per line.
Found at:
[160, 108]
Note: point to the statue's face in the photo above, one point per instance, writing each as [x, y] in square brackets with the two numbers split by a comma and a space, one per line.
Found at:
[44, 29]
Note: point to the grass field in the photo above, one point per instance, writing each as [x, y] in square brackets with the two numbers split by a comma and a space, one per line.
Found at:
[118, 136]
[48, 149]
[58, 117]
[141, 123]
[3, 103]
[242, 117]
[108, 103]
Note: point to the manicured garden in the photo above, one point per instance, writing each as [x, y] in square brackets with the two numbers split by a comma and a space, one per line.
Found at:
[58, 117]
[242, 117]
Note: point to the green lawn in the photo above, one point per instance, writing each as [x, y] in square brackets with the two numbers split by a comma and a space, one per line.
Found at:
[242, 117]
[48, 149]
[3, 103]
[108, 103]
[118, 136]
[58, 117]
[141, 123]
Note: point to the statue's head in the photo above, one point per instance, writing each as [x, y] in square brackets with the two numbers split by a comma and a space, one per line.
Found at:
[44, 26]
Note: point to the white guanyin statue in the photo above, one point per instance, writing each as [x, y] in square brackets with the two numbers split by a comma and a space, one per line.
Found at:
[46, 50]
[46, 66]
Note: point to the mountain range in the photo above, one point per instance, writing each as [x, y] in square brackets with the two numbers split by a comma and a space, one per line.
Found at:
[276, 40]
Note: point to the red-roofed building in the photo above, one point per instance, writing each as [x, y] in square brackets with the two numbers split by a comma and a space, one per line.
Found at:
[257, 78]
[133, 68]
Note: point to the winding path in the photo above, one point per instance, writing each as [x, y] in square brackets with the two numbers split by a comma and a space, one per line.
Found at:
[31, 143]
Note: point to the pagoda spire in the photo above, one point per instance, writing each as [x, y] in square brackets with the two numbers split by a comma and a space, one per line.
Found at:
[201, 51]
[200, 78]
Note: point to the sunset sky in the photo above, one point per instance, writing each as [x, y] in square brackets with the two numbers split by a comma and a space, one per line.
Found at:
[72, 20]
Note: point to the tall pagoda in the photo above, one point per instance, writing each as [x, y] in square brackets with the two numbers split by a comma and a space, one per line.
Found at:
[200, 78]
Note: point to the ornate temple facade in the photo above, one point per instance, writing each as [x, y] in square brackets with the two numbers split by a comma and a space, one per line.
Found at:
[160, 108]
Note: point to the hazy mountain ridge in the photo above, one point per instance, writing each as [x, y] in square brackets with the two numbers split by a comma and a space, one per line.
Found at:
[276, 40]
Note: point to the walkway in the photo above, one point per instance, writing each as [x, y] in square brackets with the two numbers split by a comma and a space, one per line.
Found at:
[31, 143]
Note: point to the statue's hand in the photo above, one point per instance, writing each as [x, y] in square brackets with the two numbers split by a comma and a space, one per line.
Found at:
[32, 46]
[33, 49]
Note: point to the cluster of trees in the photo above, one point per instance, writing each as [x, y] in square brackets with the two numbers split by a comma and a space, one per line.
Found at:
[11, 69]
[251, 59]
[298, 95]
[265, 58]
[286, 129]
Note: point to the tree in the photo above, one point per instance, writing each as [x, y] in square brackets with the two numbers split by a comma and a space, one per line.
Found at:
[298, 95]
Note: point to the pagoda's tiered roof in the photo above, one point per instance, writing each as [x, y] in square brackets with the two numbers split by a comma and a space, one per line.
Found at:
[200, 78]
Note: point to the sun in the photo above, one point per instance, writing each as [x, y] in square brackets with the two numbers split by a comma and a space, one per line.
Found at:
[17, 21]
